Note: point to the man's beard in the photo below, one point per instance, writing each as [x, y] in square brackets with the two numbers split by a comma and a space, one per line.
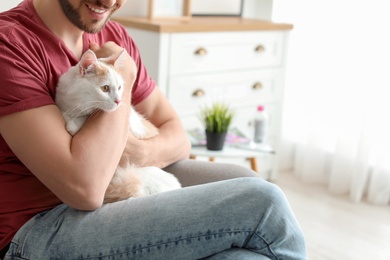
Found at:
[74, 16]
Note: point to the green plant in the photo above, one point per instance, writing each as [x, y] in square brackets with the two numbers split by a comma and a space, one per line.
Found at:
[217, 118]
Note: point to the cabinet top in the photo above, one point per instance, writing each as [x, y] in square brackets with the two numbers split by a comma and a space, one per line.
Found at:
[201, 24]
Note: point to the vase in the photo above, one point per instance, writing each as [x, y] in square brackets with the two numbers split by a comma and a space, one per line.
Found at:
[215, 141]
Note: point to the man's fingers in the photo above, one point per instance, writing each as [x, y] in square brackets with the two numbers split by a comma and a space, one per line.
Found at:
[106, 50]
[94, 46]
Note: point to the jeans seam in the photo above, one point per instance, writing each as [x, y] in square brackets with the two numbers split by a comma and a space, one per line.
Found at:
[259, 236]
[268, 245]
[175, 241]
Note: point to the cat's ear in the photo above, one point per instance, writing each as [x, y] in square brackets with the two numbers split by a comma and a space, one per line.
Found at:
[120, 61]
[87, 64]
[116, 60]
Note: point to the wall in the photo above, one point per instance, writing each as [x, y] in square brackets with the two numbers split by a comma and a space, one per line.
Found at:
[8, 4]
[258, 9]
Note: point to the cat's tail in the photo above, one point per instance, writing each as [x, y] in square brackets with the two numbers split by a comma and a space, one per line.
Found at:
[154, 180]
[132, 181]
[124, 184]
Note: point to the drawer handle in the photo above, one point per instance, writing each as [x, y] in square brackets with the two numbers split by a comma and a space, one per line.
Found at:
[260, 48]
[198, 93]
[257, 86]
[201, 52]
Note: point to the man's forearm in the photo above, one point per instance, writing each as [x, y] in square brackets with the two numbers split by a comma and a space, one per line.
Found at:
[169, 146]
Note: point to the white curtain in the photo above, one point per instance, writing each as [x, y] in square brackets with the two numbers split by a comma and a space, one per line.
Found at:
[336, 127]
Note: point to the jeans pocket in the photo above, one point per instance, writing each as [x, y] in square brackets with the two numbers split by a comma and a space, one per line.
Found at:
[16, 246]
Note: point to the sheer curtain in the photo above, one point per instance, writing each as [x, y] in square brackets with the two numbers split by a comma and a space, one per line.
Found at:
[336, 127]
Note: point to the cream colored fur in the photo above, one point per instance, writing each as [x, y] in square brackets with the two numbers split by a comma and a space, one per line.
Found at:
[80, 93]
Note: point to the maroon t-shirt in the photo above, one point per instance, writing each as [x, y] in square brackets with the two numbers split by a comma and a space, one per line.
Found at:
[32, 59]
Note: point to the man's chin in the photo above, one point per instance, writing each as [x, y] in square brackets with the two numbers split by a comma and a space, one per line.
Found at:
[96, 27]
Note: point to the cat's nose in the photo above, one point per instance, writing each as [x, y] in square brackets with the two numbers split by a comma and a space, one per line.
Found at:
[118, 101]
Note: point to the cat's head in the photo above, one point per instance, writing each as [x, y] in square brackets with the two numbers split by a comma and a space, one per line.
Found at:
[92, 84]
[100, 85]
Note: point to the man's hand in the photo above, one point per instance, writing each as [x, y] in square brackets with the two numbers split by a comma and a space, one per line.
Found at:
[106, 50]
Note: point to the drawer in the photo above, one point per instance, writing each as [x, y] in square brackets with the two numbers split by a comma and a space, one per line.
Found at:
[220, 51]
[189, 93]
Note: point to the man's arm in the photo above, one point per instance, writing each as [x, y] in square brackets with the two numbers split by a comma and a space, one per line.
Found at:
[172, 143]
[76, 169]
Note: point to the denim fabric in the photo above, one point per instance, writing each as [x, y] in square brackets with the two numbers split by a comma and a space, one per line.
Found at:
[237, 254]
[191, 223]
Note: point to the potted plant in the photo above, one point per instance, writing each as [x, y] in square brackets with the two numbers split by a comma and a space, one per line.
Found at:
[216, 120]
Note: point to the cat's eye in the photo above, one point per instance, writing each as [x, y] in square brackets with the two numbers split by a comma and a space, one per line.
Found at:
[105, 88]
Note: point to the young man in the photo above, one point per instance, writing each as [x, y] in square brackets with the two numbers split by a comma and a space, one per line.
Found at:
[52, 184]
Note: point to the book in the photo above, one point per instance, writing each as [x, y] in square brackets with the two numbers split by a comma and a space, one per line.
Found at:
[197, 137]
[234, 138]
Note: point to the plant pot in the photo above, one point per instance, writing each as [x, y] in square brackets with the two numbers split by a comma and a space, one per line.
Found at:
[215, 141]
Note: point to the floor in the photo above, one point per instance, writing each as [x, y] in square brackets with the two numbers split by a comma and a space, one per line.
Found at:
[336, 228]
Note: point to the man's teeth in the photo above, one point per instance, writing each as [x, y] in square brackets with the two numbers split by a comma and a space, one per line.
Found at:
[99, 11]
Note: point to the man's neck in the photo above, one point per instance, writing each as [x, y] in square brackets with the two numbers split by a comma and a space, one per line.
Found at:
[52, 15]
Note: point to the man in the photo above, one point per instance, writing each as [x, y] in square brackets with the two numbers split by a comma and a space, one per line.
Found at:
[52, 184]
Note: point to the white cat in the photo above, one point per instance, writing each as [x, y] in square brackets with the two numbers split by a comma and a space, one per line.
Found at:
[94, 84]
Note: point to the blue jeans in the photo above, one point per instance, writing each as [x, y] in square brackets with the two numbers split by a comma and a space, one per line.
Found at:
[241, 218]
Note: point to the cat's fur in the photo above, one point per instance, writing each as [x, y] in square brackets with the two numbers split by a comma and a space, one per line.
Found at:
[93, 84]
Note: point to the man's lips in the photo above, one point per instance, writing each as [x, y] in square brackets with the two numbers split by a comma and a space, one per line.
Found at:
[96, 10]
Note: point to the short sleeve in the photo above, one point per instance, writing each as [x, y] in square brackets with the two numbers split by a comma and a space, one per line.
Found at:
[24, 83]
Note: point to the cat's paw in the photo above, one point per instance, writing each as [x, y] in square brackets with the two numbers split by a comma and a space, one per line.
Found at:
[72, 129]
[73, 126]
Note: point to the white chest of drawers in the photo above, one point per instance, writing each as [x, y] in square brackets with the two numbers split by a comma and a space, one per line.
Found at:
[238, 61]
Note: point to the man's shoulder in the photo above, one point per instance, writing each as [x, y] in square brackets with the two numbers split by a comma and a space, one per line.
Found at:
[19, 17]
[9, 27]
[13, 33]
[7, 23]
[16, 24]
